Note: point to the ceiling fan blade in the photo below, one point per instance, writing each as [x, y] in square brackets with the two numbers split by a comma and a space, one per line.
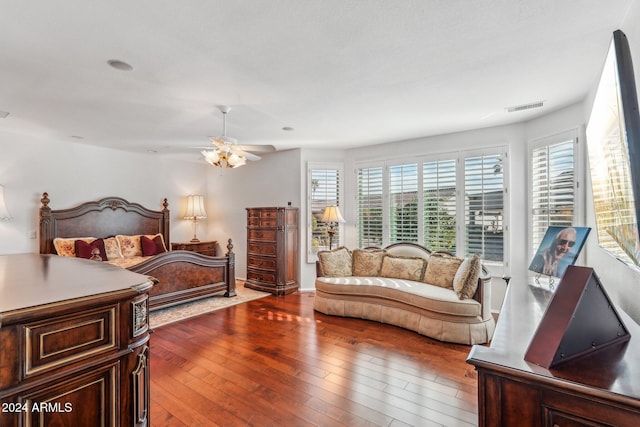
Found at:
[257, 148]
[250, 156]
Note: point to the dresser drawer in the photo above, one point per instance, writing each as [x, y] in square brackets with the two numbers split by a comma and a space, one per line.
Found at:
[260, 276]
[204, 248]
[67, 339]
[268, 213]
[262, 234]
[262, 263]
[261, 248]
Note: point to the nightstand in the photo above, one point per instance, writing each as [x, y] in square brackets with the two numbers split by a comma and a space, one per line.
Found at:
[204, 248]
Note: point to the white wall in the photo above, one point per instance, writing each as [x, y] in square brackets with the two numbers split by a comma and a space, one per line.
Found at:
[73, 173]
[273, 181]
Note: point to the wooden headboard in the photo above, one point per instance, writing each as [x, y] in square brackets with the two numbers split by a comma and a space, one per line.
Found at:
[102, 218]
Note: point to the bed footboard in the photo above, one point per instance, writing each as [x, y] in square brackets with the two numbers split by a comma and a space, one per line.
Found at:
[185, 276]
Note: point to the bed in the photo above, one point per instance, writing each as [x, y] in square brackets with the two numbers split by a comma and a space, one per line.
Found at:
[181, 275]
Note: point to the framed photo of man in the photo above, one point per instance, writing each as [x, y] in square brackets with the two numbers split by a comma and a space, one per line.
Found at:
[559, 249]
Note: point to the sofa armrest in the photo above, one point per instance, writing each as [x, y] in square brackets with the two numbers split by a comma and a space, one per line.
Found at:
[483, 293]
[319, 272]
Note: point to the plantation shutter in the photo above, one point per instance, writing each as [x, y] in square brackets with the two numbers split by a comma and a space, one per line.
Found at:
[403, 205]
[552, 194]
[439, 204]
[484, 206]
[325, 191]
[369, 206]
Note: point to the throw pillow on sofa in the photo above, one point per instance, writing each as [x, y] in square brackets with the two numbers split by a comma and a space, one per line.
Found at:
[367, 262]
[335, 263]
[403, 267]
[465, 282]
[441, 270]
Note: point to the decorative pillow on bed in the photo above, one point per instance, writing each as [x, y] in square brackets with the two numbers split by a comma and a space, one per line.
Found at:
[367, 262]
[130, 245]
[85, 250]
[465, 282]
[403, 267]
[441, 270]
[67, 246]
[153, 246]
[112, 248]
[335, 263]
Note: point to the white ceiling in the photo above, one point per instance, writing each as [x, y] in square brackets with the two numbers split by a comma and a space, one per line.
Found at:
[342, 73]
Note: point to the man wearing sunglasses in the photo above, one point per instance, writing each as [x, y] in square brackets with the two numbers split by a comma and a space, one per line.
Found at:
[549, 258]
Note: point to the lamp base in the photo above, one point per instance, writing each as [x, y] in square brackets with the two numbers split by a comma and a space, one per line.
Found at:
[195, 240]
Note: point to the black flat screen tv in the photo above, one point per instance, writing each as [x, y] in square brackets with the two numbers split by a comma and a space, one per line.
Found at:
[613, 141]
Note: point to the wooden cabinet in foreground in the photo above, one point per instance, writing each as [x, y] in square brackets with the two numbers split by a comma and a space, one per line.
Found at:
[74, 337]
[601, 388]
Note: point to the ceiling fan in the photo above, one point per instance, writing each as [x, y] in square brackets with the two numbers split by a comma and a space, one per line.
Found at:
[226, 152]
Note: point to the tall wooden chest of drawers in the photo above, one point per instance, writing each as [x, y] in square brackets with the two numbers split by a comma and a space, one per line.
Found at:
[272, 250]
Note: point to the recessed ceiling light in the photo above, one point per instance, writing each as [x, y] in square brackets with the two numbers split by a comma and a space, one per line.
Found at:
[287, 129]
[119, 65]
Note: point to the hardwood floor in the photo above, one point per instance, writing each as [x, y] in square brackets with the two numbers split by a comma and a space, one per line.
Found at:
[276, 362]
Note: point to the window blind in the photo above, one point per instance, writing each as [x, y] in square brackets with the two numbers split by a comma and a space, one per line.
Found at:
[552, 188]
[484, 206]
[439, 204]
[403, 205]
[325, 191]
[369, 202]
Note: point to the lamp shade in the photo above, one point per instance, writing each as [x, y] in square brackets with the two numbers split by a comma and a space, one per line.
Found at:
[4, 212]
[195, 207]
[332, 214]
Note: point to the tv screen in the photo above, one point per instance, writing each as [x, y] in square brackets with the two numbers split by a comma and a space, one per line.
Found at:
[613, 141]
[559, 249]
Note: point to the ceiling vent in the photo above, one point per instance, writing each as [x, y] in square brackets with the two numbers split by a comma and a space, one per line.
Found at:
[525, 107]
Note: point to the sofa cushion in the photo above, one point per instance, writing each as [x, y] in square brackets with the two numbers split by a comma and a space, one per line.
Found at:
[417, 294]
[465, 282]
[367, 262]
[441, 270]
[403, 267]
[335, 263]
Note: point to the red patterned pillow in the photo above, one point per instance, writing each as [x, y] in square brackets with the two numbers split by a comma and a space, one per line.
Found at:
[153, 246]
[85, 250]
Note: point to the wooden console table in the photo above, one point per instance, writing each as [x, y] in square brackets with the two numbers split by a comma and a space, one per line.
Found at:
[74, 343]
[602, 388]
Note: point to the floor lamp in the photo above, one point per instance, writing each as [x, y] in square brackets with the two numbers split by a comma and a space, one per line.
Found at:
[332, 216]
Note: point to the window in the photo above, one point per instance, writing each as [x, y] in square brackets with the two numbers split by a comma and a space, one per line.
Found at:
[439, 204]
[484, 206]
[370, 206]
[324, 190]
[452, 202]
[403, 206]
[552, 175]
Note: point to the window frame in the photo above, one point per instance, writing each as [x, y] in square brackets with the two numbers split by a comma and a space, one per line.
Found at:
[339, 236]
[576, 135]
[459, 156]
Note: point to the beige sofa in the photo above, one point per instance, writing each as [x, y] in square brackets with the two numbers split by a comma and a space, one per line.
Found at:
[390, 286]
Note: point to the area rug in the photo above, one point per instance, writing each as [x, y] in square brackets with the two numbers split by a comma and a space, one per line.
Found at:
[191, 309]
